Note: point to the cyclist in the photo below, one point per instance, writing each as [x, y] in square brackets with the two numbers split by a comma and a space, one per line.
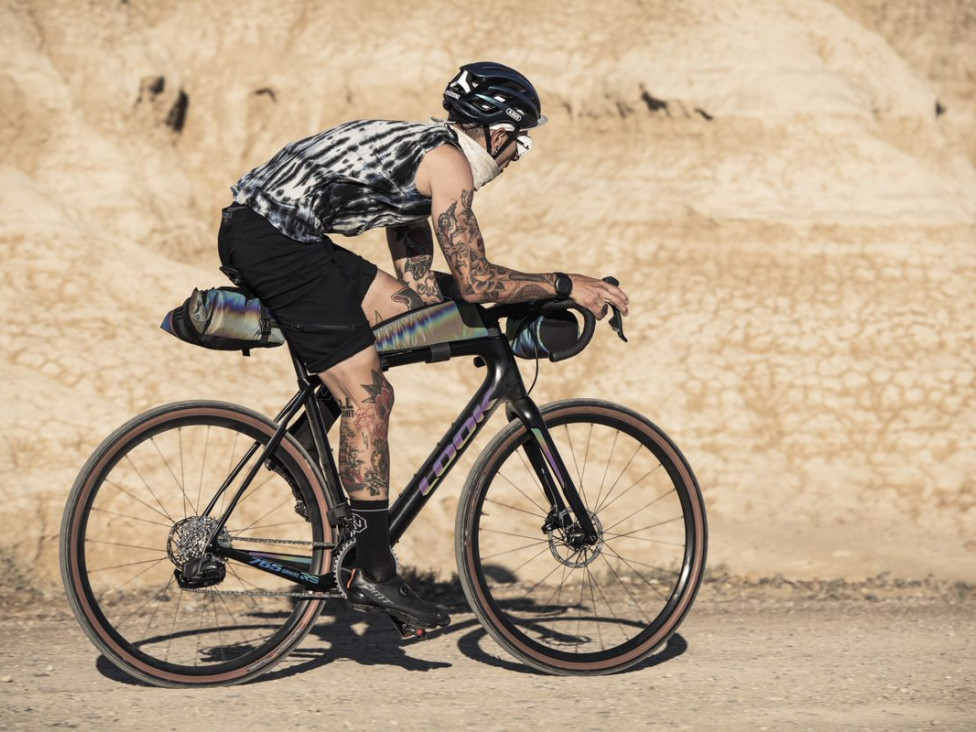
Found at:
[375, 173]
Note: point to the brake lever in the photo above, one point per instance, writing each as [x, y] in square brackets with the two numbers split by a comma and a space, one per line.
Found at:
[617, 320]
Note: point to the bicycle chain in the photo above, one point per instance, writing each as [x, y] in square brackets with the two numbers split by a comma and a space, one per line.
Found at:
[293, 542]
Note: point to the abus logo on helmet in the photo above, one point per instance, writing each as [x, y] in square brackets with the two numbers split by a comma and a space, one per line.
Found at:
[513, 114]
[452, 95]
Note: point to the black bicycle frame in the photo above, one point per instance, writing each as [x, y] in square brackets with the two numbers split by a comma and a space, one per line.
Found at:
[502, 384]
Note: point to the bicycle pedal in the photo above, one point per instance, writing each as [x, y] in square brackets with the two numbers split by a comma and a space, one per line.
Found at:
[408, 631]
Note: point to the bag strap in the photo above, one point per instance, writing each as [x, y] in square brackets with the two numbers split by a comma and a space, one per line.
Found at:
[267, 322]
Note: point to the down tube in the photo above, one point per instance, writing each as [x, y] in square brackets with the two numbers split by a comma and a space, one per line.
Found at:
[469, 423]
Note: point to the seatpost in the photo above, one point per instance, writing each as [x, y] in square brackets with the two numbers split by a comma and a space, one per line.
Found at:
[339, 506]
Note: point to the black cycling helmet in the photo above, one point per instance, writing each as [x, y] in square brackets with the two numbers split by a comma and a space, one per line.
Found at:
[487, 93]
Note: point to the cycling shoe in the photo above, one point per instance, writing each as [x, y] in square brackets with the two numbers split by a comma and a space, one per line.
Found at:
[393, 597]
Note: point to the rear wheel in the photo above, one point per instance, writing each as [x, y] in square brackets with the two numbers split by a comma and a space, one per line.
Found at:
[138, 513]
[560, 605]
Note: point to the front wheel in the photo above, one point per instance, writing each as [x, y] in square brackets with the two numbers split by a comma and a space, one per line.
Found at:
[145, 504]
[563, 606]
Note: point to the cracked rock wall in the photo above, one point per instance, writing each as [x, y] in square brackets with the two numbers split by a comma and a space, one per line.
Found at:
[787, 190]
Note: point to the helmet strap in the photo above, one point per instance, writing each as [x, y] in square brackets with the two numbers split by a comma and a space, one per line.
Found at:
[487, 131]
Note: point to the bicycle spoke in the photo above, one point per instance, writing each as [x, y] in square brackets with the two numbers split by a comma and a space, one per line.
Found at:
[538, 584]
[150, 598]
[496, 555]
[126, 564]
[579, 475]
[632, 534]
[169, 469]
[286, 502]
[129, 517]
[638, 510]
[538, 485]
[499, 532]
[128, 546]
[516, 508]
[620, 475]
[161, 510]
[629, 563]
[606, 470]
[629, 488]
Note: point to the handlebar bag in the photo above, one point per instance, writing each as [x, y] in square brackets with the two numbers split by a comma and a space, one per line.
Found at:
[223, 319]
[539, 335]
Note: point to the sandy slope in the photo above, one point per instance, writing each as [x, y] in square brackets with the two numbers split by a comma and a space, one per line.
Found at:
[795, 224]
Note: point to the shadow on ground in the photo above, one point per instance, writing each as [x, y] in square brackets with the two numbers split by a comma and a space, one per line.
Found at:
[372, 640]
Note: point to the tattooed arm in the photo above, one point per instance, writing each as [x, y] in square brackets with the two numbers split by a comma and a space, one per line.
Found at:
[412, 249]
[479, 279]
[446, 175]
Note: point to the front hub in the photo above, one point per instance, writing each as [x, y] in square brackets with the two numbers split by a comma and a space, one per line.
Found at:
[568, 545]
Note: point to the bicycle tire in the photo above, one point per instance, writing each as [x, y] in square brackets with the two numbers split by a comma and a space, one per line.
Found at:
[590, 610]
[133, 516]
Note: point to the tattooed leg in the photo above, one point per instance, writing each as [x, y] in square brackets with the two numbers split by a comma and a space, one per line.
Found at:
[408, 298]
[364, 457]
[388, 297]
[364, 451]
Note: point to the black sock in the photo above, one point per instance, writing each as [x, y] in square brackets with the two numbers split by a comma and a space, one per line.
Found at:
[371, 520]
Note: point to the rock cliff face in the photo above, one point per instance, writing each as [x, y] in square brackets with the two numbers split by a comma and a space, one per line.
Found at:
[787, 191]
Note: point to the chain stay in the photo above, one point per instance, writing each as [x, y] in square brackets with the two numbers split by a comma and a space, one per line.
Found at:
[334, 594]
[263, 593]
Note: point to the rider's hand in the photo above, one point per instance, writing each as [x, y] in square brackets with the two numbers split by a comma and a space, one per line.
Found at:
[595, 295]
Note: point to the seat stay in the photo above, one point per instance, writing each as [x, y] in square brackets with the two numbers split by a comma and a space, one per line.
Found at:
[283, 419]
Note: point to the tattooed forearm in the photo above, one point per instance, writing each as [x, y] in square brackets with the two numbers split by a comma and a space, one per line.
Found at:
[463, 246]
[412, 249]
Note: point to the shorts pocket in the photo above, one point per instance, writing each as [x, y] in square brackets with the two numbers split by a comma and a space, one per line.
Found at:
[318, 327]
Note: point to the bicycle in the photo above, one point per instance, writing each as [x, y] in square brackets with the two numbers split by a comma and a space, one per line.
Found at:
[201, 538]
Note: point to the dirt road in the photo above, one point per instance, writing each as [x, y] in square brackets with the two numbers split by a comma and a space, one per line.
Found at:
[769, 655]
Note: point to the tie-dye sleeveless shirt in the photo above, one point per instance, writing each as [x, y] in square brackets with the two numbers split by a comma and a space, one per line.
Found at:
[354, 177]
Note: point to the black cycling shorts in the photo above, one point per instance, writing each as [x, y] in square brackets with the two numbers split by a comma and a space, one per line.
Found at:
[315, 291]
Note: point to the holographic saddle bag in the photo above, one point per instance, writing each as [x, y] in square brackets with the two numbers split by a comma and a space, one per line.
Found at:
[224, 319]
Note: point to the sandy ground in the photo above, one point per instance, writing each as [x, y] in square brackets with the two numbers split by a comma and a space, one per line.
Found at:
[766, 655]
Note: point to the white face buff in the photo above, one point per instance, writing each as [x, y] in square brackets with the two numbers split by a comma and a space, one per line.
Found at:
[484, 169]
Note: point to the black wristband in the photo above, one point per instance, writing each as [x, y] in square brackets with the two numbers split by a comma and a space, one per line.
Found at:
[564, 285]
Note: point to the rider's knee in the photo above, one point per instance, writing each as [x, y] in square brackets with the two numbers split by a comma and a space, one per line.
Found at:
[375, 402]
[381, 395]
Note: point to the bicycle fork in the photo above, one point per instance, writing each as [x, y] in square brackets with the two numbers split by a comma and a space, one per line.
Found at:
[556, 481]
